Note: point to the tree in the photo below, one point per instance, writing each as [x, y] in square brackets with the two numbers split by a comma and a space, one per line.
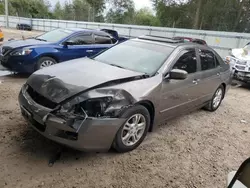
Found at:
[145, 17]
[30, 8]
[80, 10]
[58, 11]
[121, 11]
[97, 7]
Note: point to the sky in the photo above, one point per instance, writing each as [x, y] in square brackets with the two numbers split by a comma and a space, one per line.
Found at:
[138, 3]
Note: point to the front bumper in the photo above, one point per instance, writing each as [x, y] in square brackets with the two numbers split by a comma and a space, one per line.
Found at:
[20, 64]
[242, 76]
[95, 134]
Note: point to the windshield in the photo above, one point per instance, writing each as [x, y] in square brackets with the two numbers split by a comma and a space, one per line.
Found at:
[136, 56]
[247, 47]
[55, 35]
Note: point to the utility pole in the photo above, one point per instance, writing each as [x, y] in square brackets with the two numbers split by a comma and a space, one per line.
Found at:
[6, 14]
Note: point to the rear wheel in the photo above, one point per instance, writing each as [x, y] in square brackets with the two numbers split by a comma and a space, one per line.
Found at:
[45, 62]
[215, 102]
[134, 130]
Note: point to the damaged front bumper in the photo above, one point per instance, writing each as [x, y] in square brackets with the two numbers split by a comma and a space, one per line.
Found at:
[93, 134]
[242, 76]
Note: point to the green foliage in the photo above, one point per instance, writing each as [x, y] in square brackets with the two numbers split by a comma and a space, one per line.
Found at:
[146, 17]
[121, 11]
[30, 8]
[223, 15]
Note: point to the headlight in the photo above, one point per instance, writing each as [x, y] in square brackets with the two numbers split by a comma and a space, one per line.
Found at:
[24, 51]
[95, 107]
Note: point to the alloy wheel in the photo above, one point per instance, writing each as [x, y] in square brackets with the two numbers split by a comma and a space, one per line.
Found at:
[46, 63]
[217, 98]
[133, 129]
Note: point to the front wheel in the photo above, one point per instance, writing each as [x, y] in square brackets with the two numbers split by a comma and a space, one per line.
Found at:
[216, 100]
[45, 62]
[134, 130]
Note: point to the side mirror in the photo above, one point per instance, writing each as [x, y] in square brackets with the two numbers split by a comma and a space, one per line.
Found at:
[178, 74]
[242, 176]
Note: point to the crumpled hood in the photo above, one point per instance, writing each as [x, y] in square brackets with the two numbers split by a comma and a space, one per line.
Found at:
[64, 80]
[241, 53]
[23, 43]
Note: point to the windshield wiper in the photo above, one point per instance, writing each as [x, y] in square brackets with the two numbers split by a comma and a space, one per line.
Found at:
[41, 39]
[117, 66]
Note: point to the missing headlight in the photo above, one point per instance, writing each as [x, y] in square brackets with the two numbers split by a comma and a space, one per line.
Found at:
[94, 107]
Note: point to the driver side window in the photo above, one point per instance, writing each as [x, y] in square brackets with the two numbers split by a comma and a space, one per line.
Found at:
[187, 62]
[81, 40]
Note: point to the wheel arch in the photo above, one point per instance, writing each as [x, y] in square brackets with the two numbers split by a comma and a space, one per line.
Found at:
[49, 55]
[151, 109]
[225, 88]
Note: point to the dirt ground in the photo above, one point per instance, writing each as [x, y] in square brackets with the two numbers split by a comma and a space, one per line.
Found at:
[196, 150]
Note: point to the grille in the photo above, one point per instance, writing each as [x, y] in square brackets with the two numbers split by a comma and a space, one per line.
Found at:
[41, 100]
[6, 50]
[241, 62]
[240, 67]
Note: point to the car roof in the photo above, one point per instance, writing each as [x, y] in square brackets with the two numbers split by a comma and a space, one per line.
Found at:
[88, 30]
[170, 42]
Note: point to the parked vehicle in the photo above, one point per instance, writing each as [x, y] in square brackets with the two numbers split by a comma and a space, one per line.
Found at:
[116, 97]
[1, 36]
[22, 26]
[27, 56]
[239, 60]
[188, 39]
[240, 178]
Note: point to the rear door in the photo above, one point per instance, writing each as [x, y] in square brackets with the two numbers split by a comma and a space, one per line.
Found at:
[211, 74]
[80, 45]
[179, 96]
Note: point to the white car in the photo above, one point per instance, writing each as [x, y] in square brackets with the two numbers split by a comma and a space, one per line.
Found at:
[239, 60]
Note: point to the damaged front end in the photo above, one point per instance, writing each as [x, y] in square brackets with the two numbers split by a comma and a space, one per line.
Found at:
[79, 118]
[239, 61]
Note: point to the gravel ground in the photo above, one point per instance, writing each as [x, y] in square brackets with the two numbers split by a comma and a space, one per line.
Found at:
[196, 150]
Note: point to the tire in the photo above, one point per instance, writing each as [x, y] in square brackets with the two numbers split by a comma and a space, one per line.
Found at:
[126, 131]
[211, 105]
[43, 61]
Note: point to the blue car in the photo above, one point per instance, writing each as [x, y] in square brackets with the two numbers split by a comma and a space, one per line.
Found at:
[56, 46]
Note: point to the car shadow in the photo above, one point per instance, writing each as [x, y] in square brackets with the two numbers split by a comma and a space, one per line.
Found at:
[39, 147]
[246, 86]
[17, 75]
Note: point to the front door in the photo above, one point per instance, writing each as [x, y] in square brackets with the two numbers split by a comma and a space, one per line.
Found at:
[78, 46]
[179, 96]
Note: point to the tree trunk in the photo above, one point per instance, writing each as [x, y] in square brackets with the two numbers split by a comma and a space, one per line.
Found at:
[197, 15]
[239, 15]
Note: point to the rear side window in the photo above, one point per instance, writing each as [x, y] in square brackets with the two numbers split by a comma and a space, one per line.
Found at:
[102, 39]
[208, 60]
[81, 40]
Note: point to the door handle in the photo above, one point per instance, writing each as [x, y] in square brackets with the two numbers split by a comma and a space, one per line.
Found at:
[89, 51]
